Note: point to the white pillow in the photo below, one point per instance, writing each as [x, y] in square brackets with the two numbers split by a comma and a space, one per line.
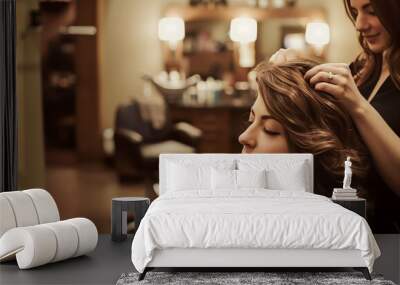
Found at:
[183, 178]
[189, 176]
[292, 179]
[281, 175]
[236, 179]
[251, 178]
[223, 179]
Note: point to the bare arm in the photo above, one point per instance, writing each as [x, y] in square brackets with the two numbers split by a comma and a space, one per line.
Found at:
[380, 139]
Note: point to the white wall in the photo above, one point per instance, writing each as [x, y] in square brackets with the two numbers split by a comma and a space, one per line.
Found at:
[344, 44]
[129, 48]
[31, 166]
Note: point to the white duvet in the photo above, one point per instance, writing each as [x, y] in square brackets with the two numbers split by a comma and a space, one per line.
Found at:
[253, 218]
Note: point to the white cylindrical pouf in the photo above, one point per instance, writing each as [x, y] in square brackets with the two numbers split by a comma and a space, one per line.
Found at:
[35, 245]
[23, 207]
[45, 205]
[87, 234]
[67, 240]
[7, 218]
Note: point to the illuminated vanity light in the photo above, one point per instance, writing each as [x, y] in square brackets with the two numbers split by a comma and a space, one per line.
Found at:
[317, 33]
[171, 29]
[243, 30]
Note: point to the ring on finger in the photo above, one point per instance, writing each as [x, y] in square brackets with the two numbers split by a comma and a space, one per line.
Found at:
[330, 75]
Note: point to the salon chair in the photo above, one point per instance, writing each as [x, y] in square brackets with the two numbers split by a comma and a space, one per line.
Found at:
[138, 144]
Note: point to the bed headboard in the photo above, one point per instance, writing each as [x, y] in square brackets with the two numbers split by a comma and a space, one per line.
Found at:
[270, 159]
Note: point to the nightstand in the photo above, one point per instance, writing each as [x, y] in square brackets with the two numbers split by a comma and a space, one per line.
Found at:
[119, 215]
[358, 205]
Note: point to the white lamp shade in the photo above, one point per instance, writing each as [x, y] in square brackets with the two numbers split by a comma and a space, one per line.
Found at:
[243, 30]
[317, 33]
[171, 29]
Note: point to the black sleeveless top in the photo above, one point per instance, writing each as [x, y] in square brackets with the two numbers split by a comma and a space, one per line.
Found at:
[383, 203]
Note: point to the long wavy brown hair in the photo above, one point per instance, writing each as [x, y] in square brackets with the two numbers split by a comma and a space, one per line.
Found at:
[314, 122]
[388, 12]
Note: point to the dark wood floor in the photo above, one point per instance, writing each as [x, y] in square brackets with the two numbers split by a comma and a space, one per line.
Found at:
[86, 190]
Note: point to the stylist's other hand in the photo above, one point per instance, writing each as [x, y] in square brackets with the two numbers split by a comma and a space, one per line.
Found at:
[336, 79]
[284, 55]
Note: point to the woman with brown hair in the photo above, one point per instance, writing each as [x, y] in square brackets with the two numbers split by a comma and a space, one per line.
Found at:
[369, 90]
[290, 116]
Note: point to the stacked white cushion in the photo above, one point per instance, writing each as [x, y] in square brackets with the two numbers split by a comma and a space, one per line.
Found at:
[87, 234]
[46, 207]
[66, 236]
[30, 230]
[7, 218]
[26, 208]
[23, 208]
[32, 246]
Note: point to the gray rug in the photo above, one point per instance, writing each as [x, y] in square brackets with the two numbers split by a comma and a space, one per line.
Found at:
[230, 278]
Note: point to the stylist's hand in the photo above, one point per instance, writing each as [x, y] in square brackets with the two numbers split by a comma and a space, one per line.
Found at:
[337, 80]
[284, 55]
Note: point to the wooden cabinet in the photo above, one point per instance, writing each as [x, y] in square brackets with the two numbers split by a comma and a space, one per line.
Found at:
[209, 63]
[221, 125]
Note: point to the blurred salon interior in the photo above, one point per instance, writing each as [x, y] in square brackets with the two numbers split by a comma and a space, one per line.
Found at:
[105, 86]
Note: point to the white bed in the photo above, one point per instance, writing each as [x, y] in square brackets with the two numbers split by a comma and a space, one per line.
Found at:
[251, 211]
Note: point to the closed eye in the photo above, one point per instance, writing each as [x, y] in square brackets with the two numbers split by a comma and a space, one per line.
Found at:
[271, 133]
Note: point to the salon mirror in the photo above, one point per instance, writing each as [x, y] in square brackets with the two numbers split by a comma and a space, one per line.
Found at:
[208, 50]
